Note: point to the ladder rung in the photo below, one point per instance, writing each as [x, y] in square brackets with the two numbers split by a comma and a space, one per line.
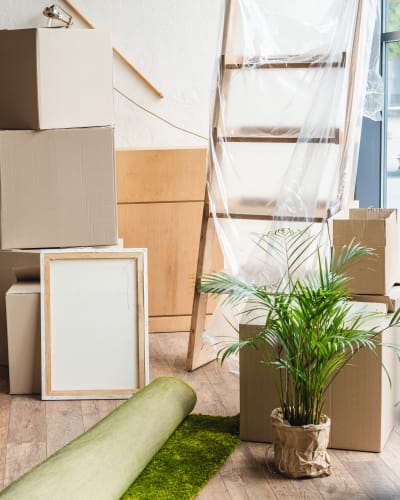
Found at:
[278, 135]
[222, 215]
[287, 62]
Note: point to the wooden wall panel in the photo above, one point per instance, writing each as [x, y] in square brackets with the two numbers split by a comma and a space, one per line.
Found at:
[171, 233]
[160, 205]
[161, 175]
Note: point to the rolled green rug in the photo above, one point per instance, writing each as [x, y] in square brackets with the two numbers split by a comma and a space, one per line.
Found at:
[104, 461]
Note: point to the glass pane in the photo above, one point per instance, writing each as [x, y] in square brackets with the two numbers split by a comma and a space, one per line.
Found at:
[393, 125]
[393, 15]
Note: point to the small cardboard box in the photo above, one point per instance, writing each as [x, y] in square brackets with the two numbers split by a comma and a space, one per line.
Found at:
[23, 327]
[57, 188]
[361, 402]
[55, 78]
[9, 262]
[376, 229]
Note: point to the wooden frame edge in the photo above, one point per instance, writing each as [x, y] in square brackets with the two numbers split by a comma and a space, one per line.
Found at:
[139, 256]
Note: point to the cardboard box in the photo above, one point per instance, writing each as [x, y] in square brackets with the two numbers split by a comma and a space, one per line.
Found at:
[9, 261]
[23, 326]
[18, 265]
[376, 229]
[361, 402]
[57, 188]
[55, 78]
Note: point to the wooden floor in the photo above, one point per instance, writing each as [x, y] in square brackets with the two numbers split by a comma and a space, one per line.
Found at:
[31, 430]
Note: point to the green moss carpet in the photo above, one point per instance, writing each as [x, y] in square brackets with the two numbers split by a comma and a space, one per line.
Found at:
[188, 460]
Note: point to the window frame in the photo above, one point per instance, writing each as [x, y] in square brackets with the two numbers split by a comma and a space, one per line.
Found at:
[386, 37]
[371, 185]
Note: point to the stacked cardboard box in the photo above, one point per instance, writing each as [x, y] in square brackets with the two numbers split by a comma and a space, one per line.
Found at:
[56, 169]
[361, 401]
[375, 228]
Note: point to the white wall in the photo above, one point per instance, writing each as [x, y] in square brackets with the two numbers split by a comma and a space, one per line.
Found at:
[172, 42]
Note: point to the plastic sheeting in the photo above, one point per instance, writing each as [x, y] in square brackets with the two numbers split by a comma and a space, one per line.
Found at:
[295, 82]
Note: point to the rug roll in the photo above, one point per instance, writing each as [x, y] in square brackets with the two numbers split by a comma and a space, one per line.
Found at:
[104, 461]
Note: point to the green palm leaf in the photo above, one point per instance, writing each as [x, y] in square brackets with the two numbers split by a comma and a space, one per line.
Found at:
[310, 329]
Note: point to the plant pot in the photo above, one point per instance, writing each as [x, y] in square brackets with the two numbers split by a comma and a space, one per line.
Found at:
[300, 451]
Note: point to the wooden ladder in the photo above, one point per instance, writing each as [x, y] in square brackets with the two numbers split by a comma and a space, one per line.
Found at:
[199, 353]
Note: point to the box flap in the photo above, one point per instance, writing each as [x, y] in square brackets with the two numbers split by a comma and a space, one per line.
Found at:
[372, 213]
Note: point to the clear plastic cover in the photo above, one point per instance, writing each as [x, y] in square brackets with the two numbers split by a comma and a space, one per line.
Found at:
[293, 85]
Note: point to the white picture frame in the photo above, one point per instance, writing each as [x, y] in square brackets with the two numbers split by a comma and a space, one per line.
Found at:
[94, 327]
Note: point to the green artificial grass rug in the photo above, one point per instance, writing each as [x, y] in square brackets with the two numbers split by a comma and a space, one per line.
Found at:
[188, 460]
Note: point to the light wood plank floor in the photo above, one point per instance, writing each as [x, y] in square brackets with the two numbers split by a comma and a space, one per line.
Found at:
[31, 430]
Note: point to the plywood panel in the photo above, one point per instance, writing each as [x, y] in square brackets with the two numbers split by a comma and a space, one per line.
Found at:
[160, 198]
[160, 175]
[166, 324]
[171, 233]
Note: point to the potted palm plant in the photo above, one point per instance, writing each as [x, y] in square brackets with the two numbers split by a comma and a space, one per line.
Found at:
[311, 331]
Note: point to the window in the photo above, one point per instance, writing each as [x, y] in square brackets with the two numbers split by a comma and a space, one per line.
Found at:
[378, 178]
[391, 121]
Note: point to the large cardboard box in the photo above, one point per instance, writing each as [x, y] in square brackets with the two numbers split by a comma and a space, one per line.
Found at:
[55, 78]
[361, 402]
[23, 326]
[375, 228]
[57, 188]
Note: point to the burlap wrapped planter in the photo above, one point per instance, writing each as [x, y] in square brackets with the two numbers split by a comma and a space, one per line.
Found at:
[301, 451]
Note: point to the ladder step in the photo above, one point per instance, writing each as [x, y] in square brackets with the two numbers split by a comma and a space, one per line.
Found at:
[222, 215]
[286, 62]
[278, 135]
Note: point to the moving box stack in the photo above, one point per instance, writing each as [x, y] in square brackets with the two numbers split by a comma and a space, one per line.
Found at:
[363, 388]
[376, 279]
[361, 401]
[56, 171]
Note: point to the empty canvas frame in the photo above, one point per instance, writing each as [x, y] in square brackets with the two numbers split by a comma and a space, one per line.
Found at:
[93, 323]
